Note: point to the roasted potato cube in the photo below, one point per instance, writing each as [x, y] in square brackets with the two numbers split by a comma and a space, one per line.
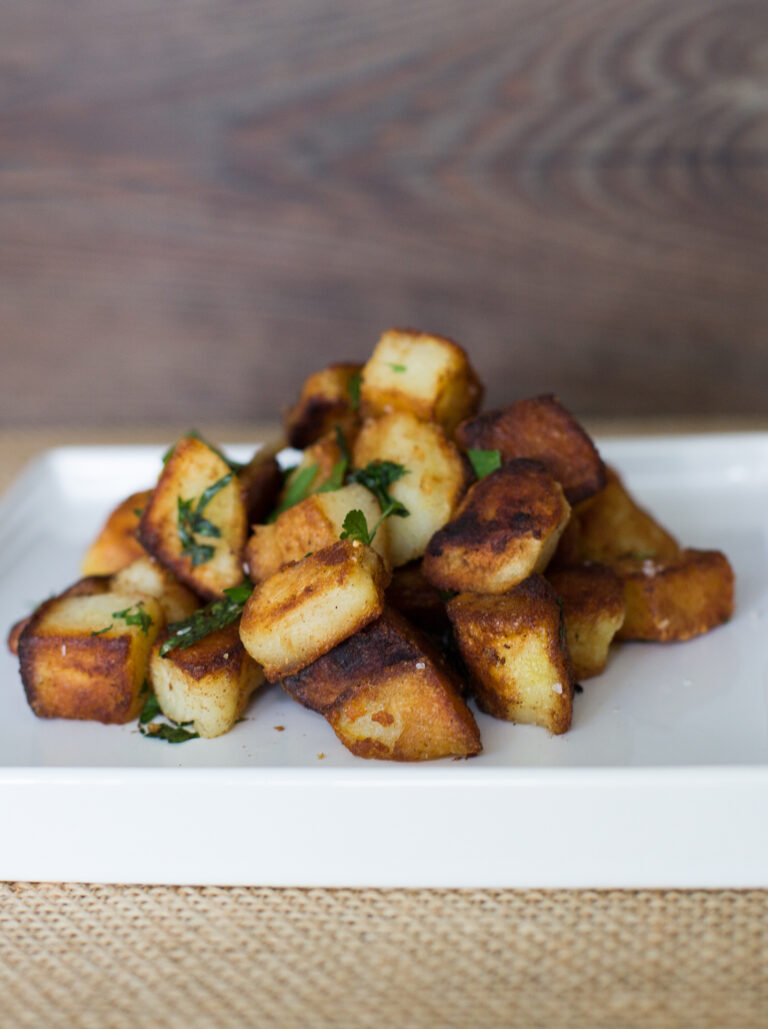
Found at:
[325, 402]
[540, 428]
[506, 528]
[678, 598]
[208, 683]
[411, 593]
[195, 521]
[323, 457]
[515, 650]
[260, 483]
[387, 694]
[86, 657]
[428, 376]
[435, 480]
[89, 586]
[148, 578]
[117, 544]
[593, 608]
[310, 525]
[304, 610]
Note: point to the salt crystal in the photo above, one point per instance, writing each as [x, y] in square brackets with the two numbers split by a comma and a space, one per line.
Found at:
[63, 649]
[557, 687]
[420, 665]
[664, 623]
[649, 568]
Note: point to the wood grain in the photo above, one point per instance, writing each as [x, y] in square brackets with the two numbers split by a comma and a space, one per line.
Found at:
[200, 203]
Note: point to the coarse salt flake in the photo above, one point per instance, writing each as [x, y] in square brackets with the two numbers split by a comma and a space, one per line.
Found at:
[649, 568]
[420, 665]
[557, 687]
[63, 649]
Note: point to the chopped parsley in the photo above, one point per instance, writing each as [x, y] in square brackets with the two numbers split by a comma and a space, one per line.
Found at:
[150, 710]
[398, 367]
[378, 476]
[298, 490]
[354, 390]
[339, 470]
[355, 527]
[138, 617]
[100, 632]
[216, 615]
[484, 461]
[192, 522]
[171, 733]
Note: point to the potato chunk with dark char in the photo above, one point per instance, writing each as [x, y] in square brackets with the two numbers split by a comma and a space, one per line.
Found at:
[195, 522]
[325, 401]
[593, 608]
[414, 596]
[304, 610]
[260, 483]
[514, 648]
[388, 694]
[612, 526]
[540, 428]
[506, 528]
[208, 683]
[117, 544]
[86, 657]
[436, 477]
[678, 598]
[428, 376]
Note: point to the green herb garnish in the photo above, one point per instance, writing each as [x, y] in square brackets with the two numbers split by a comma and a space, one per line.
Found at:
[216, 615]
[398, 367]
[191, 523]
[484, 461]
[354, 390]
[378, 476]
[170, 733]
[339, 470]
[150, 710]
[100, 632]
[355, 527]
[298, 490]
[138, 617]
[446, 595]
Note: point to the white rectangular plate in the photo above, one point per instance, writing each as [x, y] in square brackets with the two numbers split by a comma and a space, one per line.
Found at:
[662, 781]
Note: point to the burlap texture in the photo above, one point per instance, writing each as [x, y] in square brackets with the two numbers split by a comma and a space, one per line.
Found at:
[107, 957]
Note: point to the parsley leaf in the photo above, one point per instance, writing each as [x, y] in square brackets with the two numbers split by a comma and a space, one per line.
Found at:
[216, 615]
[100, 632]
[339, 470]
[354, 390]
[484, 461]
[398, 367]
[150, 710]
[298, 490]
[169, 733]
[355, 527]
[191, 523]
[130, 617]
[377, 476]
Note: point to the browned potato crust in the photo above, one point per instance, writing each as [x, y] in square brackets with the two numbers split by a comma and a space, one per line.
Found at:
[88, 586]
[117, 544]
[208, 683]
[676, 599]
[425, 375]
[304, 610]
[540, 428]
[260, 483]
[324, 402]
[148, 578]
[611, 526]
[515, 650]
[68, 672]
[191, 469]
[506, 528]
[411, 593]
[593, 608]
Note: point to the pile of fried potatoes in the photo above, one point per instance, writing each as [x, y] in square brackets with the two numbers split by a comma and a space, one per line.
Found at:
[419, 553]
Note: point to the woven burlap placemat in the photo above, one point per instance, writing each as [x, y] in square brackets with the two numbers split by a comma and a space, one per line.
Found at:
[115, 956]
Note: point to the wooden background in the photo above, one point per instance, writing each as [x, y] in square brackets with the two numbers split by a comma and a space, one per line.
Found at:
[200, 202]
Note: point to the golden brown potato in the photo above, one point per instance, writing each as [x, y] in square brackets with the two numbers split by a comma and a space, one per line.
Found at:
[260, 483]
[309, 526]
[506, 528]
[325, 402]
[208, 683]
[611, 526]
[388, 694]
[195, 521]
[593, 608]
[515, 650]
[117, 544]
[304, 610]
[436, 477]
[148, 578]
[540, 428]
[678, 598]
[417, 599]
[86, 657]
[88, 586]
[324, 458]
[428, 376]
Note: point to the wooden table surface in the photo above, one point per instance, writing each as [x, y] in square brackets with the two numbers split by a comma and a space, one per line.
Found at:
[201, 202]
